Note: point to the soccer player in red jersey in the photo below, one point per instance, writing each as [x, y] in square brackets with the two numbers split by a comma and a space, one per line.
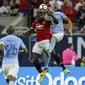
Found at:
[44, 35]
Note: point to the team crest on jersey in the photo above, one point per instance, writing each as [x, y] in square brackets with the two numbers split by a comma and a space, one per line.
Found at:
[39, 26]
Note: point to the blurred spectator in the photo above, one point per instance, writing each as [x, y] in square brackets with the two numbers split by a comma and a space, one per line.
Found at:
[4, 9]
[35, 6]
[81, 16]
[14, 8]
[1, 2]
[71, 13]
[69, 10]
[24, 6]
[17, 1]
[69, 56]
[77, 6]
[1, 28]
[45, 1]
[83, 61]
[55, 3]
[76, 1]
[83, 29]
[51, 3]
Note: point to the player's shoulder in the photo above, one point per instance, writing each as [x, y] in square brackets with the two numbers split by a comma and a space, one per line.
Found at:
[14, 37]
[58, 13]
[36, 21]
[17, 37]
[3, 38]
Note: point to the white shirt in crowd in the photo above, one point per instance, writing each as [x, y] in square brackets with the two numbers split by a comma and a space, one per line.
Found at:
[77, 6]
[59, 3]
[4, 9]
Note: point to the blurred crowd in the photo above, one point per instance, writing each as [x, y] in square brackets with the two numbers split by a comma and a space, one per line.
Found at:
[73, 9]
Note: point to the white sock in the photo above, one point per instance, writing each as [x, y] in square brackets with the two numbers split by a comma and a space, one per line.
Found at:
[11, 83]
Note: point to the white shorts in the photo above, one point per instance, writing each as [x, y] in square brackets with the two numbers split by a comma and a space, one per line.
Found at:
[40, 46]
[10, 69]
[56, 37]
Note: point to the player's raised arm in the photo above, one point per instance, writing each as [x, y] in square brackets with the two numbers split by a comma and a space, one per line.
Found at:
[24, 50]
[50, 13]
[23, 47]
[70, 25]
[29, 32]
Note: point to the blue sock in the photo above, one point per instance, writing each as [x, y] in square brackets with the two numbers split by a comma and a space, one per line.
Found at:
[11, 83]
[47, 60]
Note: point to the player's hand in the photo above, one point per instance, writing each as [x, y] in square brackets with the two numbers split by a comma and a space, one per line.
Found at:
[49, 13]
[50, 9]
[70, 31]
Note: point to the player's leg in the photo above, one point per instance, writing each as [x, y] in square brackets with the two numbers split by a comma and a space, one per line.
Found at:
[11, 80]
[7, 81]
[48, 52]
[59, 61]
[47, 58]
[59, 37]
[12, 74]
[38, 66]
[36, 62]
[5, 71]
[37, 52]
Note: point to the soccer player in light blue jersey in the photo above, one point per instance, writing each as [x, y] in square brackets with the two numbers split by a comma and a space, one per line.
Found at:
[57, 35]
[10, 64]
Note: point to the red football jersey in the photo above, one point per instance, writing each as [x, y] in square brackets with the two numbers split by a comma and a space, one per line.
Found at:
[42, 30]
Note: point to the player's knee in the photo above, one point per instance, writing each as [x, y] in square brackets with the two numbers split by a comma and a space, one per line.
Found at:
[47, 53]
[56, 57]
[36, 58]
[11, 78]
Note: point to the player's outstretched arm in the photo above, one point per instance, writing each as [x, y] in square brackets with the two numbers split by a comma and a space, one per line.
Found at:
[70, 26]
[31, 30]
[25, 50]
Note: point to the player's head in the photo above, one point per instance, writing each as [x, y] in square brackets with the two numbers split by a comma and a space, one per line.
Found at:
[50, 9]
[40, 16]
[10, 30]
[70, 45]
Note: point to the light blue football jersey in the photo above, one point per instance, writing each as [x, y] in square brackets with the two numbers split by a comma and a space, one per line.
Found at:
[11, 50]
[59, 27]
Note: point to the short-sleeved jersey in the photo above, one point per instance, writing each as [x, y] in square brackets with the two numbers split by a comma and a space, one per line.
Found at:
[59, 27]
[42, 30]
[12, 45]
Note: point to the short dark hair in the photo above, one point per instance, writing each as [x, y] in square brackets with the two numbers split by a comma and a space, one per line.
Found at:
[49, 5]
[10, 30]
[69, 45]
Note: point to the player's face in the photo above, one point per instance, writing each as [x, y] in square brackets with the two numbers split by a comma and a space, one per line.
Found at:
[41, 16]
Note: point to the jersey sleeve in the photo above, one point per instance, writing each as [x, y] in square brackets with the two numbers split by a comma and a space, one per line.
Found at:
[22, 45]
[34, 24]
[63, 15]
